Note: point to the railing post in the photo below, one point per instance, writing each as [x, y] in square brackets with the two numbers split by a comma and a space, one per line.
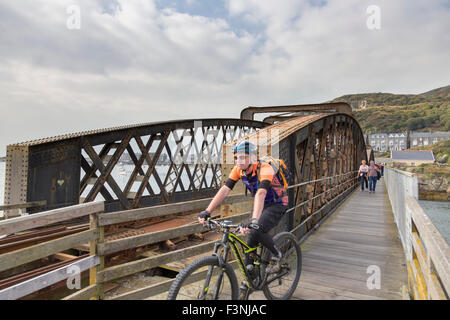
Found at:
[99, 237]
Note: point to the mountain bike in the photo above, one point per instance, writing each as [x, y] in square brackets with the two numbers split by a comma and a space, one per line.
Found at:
[213, 277]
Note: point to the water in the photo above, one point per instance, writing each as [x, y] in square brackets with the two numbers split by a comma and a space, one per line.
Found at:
[121, 173]
[439, 213]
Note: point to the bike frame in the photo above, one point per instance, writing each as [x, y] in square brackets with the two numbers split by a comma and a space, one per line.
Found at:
[230, 241]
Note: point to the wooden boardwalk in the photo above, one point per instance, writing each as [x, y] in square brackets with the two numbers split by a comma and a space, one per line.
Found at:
[360, 233]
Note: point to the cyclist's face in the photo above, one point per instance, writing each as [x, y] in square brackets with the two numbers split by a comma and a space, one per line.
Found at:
[242, 160]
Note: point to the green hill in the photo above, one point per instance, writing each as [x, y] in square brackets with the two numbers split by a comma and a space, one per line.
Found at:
[441, 150]
[387, 112]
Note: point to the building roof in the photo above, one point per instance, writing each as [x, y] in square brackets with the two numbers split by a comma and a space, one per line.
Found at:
[430, 134]
[425, 155]
[383, 160]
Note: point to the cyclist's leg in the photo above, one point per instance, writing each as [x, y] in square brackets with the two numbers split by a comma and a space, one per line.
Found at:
[269, 219]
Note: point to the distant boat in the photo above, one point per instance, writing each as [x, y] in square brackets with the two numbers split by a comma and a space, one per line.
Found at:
[123, 172]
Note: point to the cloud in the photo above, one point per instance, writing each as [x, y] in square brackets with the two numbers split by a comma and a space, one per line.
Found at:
[141, 61]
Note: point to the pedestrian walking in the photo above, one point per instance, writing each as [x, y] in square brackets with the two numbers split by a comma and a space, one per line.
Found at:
[373, 176]
[362, 173]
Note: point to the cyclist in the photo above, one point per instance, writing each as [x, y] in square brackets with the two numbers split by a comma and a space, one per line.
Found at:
[271, 199]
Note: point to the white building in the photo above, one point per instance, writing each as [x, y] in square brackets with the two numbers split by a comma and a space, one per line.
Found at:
[427, 138]
[388, 141]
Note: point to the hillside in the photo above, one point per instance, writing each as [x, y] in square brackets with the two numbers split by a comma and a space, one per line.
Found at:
[390, 99]
[441, 150]
[387, 112]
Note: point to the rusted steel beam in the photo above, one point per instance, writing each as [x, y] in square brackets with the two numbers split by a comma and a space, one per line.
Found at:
[151, 168]
[138, 163]
[51, 167]
[340, 107]
[325, 146]
[104, 192]
[106, 171]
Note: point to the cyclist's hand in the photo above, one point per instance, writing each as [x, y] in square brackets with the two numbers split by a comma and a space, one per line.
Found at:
[245, 226]
[203, 216]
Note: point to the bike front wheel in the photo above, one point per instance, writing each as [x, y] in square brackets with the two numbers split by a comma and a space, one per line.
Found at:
[281, 284]
[205, 279]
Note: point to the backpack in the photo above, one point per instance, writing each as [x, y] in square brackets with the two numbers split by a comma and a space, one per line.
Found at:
[278, 166]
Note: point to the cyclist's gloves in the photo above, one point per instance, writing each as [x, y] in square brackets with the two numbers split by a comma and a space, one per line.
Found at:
[253, 222]
[204, 215]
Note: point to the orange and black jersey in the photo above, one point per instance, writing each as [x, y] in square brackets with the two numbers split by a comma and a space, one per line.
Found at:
[267, 179]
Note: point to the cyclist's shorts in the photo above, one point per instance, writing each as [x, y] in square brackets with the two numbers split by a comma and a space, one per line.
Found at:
[271, 216]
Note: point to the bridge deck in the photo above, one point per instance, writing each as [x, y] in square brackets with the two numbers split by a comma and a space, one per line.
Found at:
[360, 233]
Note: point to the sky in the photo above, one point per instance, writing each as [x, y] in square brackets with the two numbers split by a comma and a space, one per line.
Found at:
[68, 66]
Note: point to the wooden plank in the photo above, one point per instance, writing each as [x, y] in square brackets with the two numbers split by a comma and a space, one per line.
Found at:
[377, 247]
[154, 237]
[358, 253]
[32, 285]
[432, 285]
[48, 217]
[83, 294]
[350, 270]
[22, 256]
[332, 293]
[356, 286]
[437, 247]
[129, 268]
[161, 210]
[158, 288]
[435, 289]
[419, 280]
[64, 256]
[99, 237]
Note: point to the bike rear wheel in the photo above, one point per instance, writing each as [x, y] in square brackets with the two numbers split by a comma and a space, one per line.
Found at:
[280, 285]
[204, 279]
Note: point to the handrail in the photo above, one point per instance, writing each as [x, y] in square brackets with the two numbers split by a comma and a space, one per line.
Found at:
[23, 205]
[427, 254]
[48, 217]
[304, 202]
[430, 262]
[25, 255]
[327, 178]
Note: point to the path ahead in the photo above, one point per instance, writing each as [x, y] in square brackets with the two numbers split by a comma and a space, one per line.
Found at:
[359, 234]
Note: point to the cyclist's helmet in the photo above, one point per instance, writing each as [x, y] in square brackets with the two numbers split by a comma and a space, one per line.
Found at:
[246, 147]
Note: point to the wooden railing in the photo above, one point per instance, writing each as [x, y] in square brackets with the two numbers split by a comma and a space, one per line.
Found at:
[99, 275]
[427, 254]
[26, 255]
[7, 214]
[429, 268]
[130, 268]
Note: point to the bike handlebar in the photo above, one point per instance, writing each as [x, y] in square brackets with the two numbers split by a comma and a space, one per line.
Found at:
[227, 224]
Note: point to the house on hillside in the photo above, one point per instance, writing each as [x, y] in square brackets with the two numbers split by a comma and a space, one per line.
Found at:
[427, 138]
[388, 141]
[412, 157]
